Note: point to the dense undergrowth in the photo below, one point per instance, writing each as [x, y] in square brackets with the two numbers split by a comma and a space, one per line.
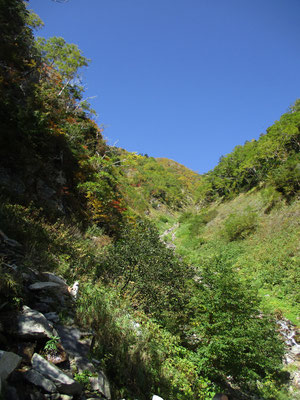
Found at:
[263, 247]
[181, 328]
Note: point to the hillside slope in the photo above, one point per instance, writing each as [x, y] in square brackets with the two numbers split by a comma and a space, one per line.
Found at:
[184, 328]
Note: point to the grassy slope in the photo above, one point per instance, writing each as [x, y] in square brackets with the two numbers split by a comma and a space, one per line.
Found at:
[268, 258]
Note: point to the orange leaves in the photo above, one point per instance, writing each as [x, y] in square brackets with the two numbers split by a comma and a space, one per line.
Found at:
[117, 205]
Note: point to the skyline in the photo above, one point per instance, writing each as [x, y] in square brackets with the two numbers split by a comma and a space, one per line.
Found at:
[185, 80]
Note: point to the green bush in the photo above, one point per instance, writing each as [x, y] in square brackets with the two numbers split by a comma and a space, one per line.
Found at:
[235, 339]
[163, 218]
[239, 226]
[142, 266]
[140, 356]
[286, 178]
[198, 221]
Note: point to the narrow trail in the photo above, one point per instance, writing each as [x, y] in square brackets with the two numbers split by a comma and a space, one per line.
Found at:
[170, 245]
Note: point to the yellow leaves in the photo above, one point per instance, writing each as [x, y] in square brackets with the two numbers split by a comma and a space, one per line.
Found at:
[56, 129]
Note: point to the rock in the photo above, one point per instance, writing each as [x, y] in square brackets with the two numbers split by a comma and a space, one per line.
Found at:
[8, 363]
[63, 382]
[52, 316]
[53, 396]
[10, 242]
[295, 352]
[83, 364]
[65, 397]
[47, 300]
[26, 350]
[38, 379]
[3, 341]
[58, 355]
[11, 393]
[44, 191]
[44, 285]
[32, 324]
[70, 339]
[42, 307]
[100, 384]
[54, 278]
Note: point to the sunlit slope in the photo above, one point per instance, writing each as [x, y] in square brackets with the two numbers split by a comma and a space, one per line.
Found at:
[150, 184]
[260, 237]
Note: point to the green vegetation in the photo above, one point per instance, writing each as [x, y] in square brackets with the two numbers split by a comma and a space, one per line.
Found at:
[51, 344]
[239, 226]
[181, 324]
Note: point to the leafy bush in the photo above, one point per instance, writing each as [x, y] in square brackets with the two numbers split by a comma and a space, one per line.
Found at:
[286, 177]
[142, 266]
[234, 338]
[163, 218]
[198, 221]
[239, 226]
[140, 356]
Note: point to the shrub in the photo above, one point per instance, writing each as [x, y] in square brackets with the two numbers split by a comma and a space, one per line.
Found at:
[235, 339]
[198, 221]
[286, 177]
[139, 354]
[164, 218]
[142, 266]
[239, 226]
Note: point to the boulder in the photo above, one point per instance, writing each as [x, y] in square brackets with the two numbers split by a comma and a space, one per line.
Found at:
[38, 379]
[11, 393]
[32, 324]
[8, 363]
[63, 382]
[83, 364]
[52, 316]
[44, 285]
[100, 384]
[54, 278]
[26, 350]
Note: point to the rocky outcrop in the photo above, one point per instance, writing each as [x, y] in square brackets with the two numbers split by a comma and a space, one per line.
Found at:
[62, 381]
[31, 324]
[292, 356]
[8, 363]
[100, 384]
[50, 353]
[40, 380]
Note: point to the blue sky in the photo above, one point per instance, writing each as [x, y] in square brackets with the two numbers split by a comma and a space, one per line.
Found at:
[183, 79]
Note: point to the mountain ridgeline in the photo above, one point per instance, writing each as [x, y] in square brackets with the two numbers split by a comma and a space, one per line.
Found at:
[182, 277]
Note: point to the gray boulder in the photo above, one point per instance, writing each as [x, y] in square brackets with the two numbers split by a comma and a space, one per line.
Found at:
[63, 382]
[54, 278]
[32, 324]
[38, 379]
[52, 316]
[100, 384]
[8, 363]
[44, 285]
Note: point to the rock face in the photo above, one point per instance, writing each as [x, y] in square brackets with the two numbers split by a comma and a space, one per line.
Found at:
[63, 382]
[44, 285]
[54, 278]
[100, 384]
[8, 363]
[38, 379]
[32, 324]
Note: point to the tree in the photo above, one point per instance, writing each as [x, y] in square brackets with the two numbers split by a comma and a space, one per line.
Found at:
[65, 58]
[235, 339]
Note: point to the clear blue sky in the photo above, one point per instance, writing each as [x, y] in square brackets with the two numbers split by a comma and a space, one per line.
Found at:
[183, 79]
